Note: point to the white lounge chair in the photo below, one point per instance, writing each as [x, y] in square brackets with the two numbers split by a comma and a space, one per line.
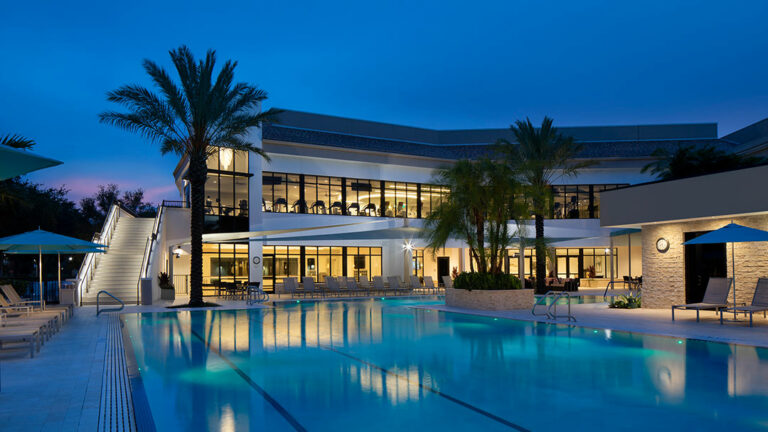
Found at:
[715, 297]
[759, 302]
[309, 286]
[447, 282]
[429, 285]
[332, 286]
[378, 285]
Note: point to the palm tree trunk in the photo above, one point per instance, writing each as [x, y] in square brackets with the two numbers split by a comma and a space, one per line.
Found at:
[197, 176]
[541, 255]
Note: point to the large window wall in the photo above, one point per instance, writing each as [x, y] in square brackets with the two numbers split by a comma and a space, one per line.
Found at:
[300, 193]
[570, 262]
[318, 262]
[578, 201]
[224, 262]
[226, 191]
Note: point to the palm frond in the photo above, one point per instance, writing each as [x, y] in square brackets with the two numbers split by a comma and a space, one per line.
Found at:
[17, 141]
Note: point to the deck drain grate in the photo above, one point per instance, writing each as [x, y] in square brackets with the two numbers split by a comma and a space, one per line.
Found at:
[115, 404]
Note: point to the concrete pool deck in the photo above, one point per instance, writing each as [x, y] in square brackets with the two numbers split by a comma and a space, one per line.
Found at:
[60, 389]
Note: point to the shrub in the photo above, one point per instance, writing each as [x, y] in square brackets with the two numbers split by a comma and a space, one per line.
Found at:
[164, 281]
[626, 302]
[486, 281]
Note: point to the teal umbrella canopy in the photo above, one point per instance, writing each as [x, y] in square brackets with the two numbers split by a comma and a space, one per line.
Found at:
[731, 233]
[39, 241]
[15, 162]
[44, 242]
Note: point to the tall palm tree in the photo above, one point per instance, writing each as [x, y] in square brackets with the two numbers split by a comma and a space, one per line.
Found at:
[192, 119]
[540, 157]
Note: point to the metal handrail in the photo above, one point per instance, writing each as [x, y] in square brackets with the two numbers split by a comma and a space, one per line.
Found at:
[98, 296]
[551, 311]
[609, 285]
[148, 248]
[85, 273]
[553, 314]
[538, 303]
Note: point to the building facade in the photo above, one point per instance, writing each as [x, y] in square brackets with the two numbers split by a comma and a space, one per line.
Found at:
[346, 197]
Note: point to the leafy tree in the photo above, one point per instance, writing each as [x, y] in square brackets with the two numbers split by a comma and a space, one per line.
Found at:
[96, 207]
[478, 211]
[192, 119]
[540, 157]
[690, 161]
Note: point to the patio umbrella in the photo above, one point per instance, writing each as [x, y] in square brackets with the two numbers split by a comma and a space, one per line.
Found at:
[731, 233]
[15, 162]
[44, 242]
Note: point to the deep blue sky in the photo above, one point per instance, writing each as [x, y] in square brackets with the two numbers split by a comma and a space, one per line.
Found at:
[431, 64]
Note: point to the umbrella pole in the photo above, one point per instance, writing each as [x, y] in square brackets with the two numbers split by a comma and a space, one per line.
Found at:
[40, 275]
[733, 272]
[58, 263]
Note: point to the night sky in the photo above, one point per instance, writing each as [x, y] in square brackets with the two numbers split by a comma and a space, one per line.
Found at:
[441, 64]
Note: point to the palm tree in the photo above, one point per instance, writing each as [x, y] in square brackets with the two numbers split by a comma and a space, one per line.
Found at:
[540, 157]
[477, 210]
[690, 161]
[17, 141]
[192, 120]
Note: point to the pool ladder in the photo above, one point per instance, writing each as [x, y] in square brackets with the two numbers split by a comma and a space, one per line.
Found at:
[551, 311]
[98, 306]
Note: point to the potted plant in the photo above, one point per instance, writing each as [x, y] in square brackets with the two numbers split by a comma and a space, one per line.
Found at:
[167, 290]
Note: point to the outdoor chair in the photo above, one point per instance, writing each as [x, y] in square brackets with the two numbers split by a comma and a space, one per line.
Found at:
[395, 285]
[15, 301]
[378, 285]
[352, 287]
[415, 283]
[309, 286]
[11, 338]
[759, 302]
[715, 297]
[332, 285]
[289, 287]
[429, 285]
[447, 282]
[365, 285]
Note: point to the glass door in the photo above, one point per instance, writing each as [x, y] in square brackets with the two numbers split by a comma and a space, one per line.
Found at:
[268, 270]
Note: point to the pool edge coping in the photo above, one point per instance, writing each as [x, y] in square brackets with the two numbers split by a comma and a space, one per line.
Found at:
[490, 314]
[142, 412]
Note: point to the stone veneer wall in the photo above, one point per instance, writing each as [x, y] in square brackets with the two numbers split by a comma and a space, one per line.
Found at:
[490, 299]
[664, 273]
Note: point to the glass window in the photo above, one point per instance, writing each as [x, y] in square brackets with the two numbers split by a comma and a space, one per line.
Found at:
[241, 161]
[213, 161]
[241, 196]
[226, 198]
[337, 204]
[294, 196]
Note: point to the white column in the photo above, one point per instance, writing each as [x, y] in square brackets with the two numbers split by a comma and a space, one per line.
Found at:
[521, 263]
[255, 215]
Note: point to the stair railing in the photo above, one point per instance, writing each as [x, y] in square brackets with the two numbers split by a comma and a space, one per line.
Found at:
[85, 273]
[149, 248]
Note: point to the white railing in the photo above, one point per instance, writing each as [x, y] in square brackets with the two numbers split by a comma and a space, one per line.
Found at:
[85, 274]
[149, 248]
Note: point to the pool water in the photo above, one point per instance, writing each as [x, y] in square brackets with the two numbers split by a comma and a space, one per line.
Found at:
[387, 365]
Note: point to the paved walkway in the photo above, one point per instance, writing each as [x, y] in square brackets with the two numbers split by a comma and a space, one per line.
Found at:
[652, 321]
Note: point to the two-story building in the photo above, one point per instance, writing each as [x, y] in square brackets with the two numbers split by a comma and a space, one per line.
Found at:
[346, 197]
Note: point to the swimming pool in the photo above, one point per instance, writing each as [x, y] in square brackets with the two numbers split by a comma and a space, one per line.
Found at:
[384, 365]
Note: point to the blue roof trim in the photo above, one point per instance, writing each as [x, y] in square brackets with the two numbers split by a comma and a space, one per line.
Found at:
[591, 149]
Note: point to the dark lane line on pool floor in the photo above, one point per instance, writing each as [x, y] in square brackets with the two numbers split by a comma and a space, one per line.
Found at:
[275, 404]
[430, 389]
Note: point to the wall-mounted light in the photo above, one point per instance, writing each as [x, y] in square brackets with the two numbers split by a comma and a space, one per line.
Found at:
[178, 251]
[408, 246]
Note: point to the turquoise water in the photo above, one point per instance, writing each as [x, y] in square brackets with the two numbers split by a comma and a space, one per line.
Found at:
[383, 365]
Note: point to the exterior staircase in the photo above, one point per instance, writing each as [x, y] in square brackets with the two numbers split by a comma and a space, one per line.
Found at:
[117, 270]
